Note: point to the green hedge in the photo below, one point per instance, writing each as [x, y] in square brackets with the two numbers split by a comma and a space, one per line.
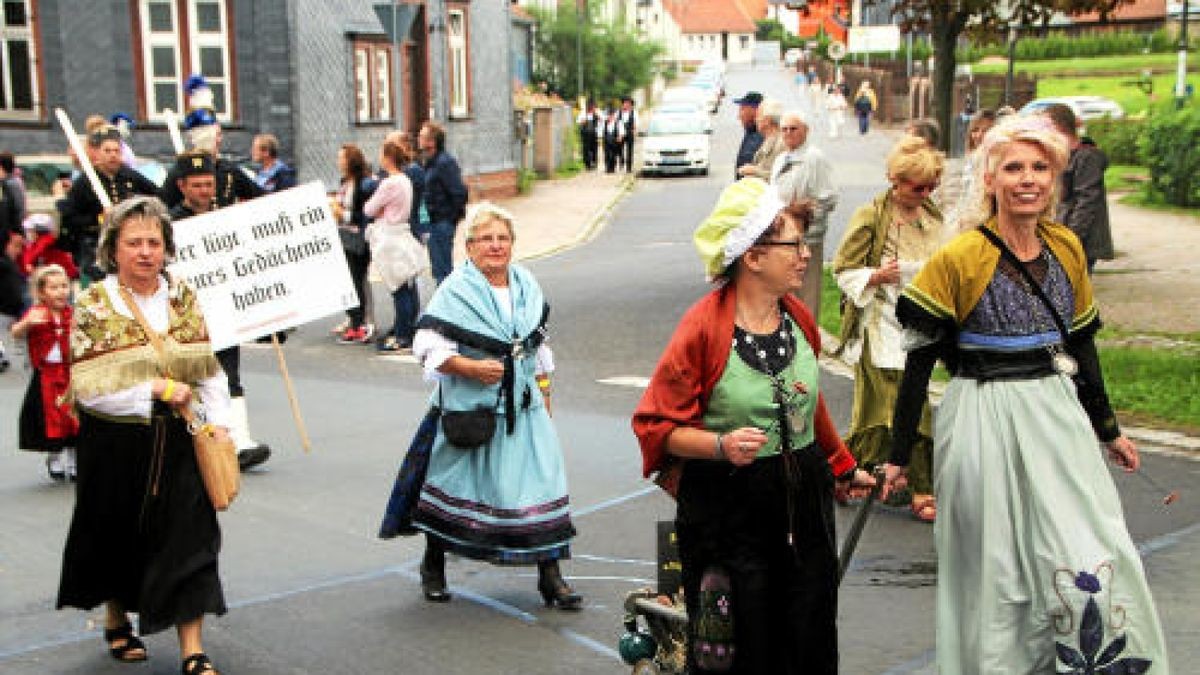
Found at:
[1171, 150]
[1118, 139]
[1059, 46]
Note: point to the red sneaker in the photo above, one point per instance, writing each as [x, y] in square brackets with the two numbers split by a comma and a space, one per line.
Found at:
[352, 336]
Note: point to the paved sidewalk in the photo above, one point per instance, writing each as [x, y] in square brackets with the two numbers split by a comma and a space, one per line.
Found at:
[1152, 286]
[558, 213]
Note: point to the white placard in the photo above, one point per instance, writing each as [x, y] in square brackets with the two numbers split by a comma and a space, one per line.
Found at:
[264, 265]
[873, 39]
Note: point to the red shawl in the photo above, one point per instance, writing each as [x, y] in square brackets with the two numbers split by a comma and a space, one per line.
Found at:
[692, 365]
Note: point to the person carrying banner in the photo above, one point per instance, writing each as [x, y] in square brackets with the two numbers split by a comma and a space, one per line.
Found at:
[195, 174]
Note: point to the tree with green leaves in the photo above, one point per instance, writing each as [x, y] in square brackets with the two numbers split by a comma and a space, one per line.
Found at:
[948, 20]
[616, 61]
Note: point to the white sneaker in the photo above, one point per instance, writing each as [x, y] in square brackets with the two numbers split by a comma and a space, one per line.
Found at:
[70, 467]
[54, 467]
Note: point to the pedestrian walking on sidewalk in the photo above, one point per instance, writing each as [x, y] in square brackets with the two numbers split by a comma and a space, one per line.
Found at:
[144, 536]
[1083, 205]
[445, 197]
[1036, 569]
[47, 422]
[589, 123]
[736, 427]
[629, 127]
[614, 141]
[803, 173]
[865, 104]
[835, 109]
[397, 254]
[356, 187]
[495, 488]
[886, 243]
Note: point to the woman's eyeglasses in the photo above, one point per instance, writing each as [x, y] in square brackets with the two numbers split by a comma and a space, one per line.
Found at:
[920, 188]
[799, 245]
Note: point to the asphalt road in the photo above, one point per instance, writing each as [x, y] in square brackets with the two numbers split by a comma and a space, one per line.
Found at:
[312, 590]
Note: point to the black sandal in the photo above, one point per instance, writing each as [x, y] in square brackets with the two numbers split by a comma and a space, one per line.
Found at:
[198, 663]
[132, 642]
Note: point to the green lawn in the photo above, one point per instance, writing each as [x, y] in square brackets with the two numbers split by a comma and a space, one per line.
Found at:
[1130, 97]
[1125, 178]
[1130, 63]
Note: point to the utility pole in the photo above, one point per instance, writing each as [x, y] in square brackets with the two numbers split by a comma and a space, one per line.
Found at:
[580, 20]
[1181, 68]
[1012, 57]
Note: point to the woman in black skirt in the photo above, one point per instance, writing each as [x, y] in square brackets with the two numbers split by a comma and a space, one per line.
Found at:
[144, 536]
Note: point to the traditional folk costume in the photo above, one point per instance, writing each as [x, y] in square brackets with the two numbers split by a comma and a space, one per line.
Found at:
[1036, 569]
[505, 502]
[769, 525]
[872, 338]
[143, 531]
[47, 423]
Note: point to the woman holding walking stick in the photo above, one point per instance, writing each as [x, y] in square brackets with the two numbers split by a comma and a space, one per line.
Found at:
[1036, 569]
[735, 424]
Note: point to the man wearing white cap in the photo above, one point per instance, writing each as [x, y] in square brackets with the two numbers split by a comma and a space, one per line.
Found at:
[803, 172]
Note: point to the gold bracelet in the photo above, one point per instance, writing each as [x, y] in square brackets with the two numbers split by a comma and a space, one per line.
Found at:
[168, 391]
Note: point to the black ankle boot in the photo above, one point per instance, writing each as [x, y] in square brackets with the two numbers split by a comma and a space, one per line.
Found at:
[555, 591]
[433, 574]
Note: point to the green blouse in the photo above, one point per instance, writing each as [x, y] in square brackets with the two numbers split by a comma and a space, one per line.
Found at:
[744, 397]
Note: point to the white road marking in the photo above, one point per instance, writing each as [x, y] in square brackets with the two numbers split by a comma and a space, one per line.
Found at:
[626, 381]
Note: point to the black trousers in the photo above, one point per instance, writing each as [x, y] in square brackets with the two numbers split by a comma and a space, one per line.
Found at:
[359, 264]
[628, 151]
[784, 596]
[612, 155]
[587, 141]
[230, 359]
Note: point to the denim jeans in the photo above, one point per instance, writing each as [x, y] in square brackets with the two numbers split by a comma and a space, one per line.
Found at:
[407, 304]
[441, 249]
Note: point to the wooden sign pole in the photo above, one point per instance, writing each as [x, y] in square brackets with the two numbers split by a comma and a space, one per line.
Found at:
[84, 161]
[291, 392]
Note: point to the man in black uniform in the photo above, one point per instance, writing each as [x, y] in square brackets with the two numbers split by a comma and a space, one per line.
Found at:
[81, 209]
[232, 184]
[195, 177]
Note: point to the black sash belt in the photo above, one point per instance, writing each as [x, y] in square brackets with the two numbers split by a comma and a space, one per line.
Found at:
[992, 365]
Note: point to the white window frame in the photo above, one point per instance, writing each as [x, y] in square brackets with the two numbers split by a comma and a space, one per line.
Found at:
[150, 40]
[192, 41]
[25, 33]
[374, 97]
[458, 62]
[198, 40]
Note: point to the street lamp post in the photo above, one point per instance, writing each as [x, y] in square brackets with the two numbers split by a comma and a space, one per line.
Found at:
[580, 14]
[1181, 68]
[1012, 57]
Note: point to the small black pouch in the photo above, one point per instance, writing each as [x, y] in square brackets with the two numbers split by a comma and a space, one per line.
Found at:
[468, 429]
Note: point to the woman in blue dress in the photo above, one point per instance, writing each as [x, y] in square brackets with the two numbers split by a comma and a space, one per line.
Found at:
[482, 340]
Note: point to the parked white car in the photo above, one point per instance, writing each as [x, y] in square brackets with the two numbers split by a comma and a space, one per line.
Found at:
[712, 92]
[685, 108]
[1086, 107]
[676, 143]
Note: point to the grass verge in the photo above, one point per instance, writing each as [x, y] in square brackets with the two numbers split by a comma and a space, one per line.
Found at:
[1125, 178]
[1133, 64]
[1118, 88]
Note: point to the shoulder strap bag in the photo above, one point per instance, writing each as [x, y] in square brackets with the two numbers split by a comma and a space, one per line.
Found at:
[216, 458]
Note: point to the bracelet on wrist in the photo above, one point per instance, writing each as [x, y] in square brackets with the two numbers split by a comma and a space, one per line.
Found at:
[719, 451]
[168, 391]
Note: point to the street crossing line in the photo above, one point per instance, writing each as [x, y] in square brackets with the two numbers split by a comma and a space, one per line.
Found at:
[626, 381]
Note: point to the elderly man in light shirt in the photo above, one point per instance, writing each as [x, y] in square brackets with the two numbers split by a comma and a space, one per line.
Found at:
[770, 113]
[803, 172]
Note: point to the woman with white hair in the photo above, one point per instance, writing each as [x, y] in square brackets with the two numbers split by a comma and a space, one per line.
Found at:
[496, 488]
[1036, 569]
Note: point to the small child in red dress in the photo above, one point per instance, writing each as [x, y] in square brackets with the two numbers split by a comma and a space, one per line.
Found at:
[47, 423]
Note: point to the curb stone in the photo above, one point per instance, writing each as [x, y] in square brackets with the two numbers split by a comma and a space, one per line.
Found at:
[592, 227]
